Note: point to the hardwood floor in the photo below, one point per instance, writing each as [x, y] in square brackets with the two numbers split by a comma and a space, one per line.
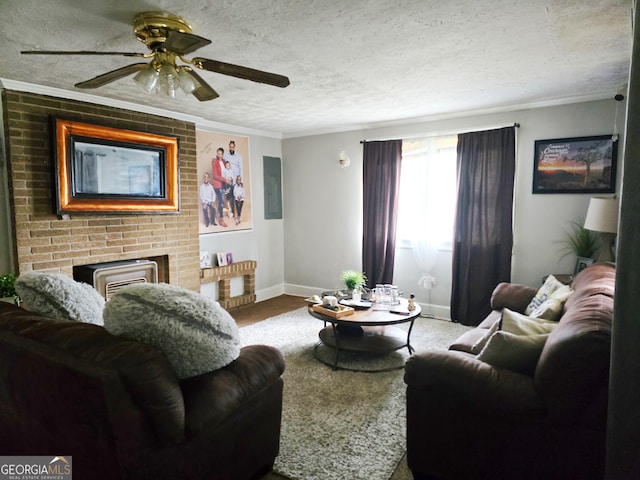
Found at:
[248, 314]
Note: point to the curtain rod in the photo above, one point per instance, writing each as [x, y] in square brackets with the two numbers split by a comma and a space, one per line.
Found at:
[515, 125]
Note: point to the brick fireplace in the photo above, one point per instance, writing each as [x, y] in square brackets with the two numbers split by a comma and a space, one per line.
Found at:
[46, 242]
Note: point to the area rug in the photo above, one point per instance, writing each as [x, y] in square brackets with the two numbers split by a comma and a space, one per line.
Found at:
[339, 424]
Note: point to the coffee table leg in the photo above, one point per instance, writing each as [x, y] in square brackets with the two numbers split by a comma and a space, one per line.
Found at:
[409, 347]
[335, 336]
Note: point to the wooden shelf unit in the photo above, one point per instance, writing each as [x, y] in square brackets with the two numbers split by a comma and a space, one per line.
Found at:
[223, 276]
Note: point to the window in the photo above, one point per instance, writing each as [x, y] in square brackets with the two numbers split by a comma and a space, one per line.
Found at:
[427, 191]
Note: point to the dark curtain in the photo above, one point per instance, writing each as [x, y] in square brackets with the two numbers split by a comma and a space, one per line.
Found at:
[483, 236]
[381, 186]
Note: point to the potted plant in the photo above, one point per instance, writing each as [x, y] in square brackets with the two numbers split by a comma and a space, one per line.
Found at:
[354, 281]
[7, 288]
[582, 243]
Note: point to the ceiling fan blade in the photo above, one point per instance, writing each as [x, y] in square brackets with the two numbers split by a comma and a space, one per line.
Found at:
[111, 76]
[245, 73]
[82, 52]
[203, 90]
[183, 43]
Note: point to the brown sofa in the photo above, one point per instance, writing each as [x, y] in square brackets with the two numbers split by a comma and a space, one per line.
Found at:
[116, 407]
[467, 419]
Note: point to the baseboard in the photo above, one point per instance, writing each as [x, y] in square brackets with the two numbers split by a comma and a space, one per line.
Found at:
[267, 293]
[301, 290]
[438, 311]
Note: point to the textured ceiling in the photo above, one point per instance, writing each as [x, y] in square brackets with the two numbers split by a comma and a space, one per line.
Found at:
[352, 63]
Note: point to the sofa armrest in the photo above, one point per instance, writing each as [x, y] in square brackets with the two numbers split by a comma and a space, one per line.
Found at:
[513, 296]
[211, 397]
[462, 377]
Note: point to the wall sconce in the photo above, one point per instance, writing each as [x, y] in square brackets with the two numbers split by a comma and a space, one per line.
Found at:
[602, 217]
[343, 159]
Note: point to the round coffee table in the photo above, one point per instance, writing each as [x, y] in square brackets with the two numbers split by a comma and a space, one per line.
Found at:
[369, 331]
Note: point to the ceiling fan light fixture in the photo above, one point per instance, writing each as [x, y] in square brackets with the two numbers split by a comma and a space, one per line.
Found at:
[187, 81]
[169, 38]
[169, 81]
[147, 78]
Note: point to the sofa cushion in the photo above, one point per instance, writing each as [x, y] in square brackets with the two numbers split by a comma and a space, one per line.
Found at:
[194, 332]
[518, 353]
[550, 285]
[55, 295]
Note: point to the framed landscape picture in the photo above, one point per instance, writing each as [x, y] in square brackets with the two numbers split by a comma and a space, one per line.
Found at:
[575, 165]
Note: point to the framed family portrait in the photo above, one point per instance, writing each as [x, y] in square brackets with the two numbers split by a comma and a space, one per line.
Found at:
[575, 165]
[102, 169]
[224, 182]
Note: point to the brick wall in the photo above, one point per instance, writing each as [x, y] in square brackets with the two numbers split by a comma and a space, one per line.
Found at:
[44, 242]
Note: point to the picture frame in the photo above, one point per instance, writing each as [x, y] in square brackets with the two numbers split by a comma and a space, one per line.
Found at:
[229, 256]
[582, 263]
[101, 169]
[575, 165]
[205, 260]
[222, 259]
[223, 186]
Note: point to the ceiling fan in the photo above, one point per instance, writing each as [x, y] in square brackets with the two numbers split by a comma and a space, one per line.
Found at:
[169, 38]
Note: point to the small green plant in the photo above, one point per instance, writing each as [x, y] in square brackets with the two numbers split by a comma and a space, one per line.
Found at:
[353, 279]
[7, 282]
[580, 242]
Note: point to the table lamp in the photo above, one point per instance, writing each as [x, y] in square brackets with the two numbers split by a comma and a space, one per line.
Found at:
[602, 217]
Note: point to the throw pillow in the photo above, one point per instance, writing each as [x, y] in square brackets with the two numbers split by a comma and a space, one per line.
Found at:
[55, 295]
[194, 333]
[550, 285]
[548, 310]
[562, 294]
[551, 309]
[518, 324]
[518, 353]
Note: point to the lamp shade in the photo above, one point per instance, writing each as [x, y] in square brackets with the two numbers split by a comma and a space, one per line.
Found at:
[602, 215]
[147, 78]
[188, 82]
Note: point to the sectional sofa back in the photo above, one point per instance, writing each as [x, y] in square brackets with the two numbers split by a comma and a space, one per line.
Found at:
[60, 377]
[573, 371]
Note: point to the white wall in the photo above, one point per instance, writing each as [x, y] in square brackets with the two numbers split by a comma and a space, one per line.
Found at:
[264, 243]
[323, 203]
[321, 234]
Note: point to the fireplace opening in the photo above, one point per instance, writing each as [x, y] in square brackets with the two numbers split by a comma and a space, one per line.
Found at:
[110, 277]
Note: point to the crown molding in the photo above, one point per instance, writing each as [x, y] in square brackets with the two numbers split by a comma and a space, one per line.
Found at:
[453, 115]
[201, 123]
[209, 125]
